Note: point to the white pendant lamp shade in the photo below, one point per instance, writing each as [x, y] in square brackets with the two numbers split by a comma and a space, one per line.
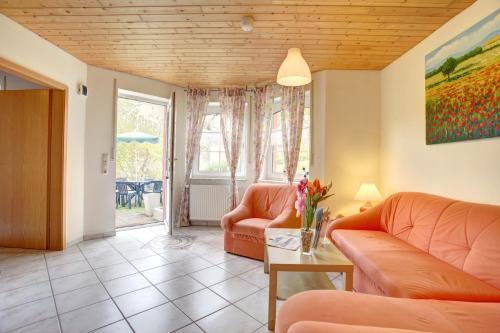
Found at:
[294, 70]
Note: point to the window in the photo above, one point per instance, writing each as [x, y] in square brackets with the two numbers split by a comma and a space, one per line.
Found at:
[275, 162]
[211, 160]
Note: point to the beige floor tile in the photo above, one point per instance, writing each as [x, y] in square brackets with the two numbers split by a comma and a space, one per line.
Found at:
[79, 298]
[149, 262]
[139, 300]
[99, 262]
[179, 287]
[218, 257]
[255, 305]
[194, 264]
[163, 273]
[73, 282]
[26, 294]
[115, 271]
[50, 325]
[26, 314]
[212, 275]
[118, 327]
[135, 254]
[162, 319]
[193, 328]
[64, 259]
[200, 303]
[126, 284]
[239, 266]
[23, 280]
[234, 289]
[229, 319]
[90, 317]
[256, 277]
[76, 267]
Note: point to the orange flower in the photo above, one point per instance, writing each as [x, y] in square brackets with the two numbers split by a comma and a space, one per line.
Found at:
[317, 184]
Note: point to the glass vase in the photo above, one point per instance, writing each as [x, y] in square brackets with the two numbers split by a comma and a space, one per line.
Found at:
[306, 237]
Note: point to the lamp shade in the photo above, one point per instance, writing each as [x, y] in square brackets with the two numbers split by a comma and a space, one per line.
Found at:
[294, 70]
[368, 192]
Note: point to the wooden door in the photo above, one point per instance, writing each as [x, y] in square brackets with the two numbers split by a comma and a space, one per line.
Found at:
[24, 168]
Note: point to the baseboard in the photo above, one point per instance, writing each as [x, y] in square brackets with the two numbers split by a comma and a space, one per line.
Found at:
[74, 242]
[212, 223]
[100, 235]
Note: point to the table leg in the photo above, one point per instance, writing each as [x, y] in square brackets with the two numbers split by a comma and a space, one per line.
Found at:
[348, 280]
[266, 261]
[273, 291]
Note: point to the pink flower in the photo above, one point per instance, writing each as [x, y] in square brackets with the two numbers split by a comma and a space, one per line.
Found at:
[301, 188]
[299, 203]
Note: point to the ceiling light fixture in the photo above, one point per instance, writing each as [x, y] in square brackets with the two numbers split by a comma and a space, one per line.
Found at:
[247, 23]
[294, 70]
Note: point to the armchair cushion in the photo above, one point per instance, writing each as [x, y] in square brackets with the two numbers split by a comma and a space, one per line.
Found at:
[263, 206]
[251, 227]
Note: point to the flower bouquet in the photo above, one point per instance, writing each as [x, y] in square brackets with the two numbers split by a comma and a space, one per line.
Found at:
[309, 195]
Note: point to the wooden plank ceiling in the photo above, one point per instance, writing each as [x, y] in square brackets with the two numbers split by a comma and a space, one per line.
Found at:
[200, 43]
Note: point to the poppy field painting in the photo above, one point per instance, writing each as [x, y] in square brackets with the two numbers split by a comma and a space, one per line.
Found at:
[462, 78]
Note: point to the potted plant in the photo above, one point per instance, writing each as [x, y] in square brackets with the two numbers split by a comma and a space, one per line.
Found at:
[309, 195]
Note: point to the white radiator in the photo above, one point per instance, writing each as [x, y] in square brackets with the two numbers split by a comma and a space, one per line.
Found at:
[209, 202]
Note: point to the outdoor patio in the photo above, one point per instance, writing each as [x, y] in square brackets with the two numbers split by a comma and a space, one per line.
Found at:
[132, 217]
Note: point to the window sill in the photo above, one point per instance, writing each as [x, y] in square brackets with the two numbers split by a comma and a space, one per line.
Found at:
[277, 181]
[214, 178]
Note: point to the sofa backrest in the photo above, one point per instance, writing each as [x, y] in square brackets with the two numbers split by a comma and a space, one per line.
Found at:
[465, 235]
[267, 201]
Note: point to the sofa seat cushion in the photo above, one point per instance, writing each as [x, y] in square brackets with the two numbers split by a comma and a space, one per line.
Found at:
[347, 308]
[322, 327]
[253, 227]
[401, 270]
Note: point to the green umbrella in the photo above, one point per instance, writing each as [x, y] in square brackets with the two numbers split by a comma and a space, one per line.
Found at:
[136, 137]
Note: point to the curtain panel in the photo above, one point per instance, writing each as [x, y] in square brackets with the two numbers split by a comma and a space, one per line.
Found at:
[262, 124]
[232, 102]
[197, 101]
[292, 119]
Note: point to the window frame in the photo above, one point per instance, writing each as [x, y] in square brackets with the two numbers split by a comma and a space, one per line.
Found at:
[215, 108]
[268, 172]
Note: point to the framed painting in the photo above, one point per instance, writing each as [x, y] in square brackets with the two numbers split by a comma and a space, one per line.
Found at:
[462, 79]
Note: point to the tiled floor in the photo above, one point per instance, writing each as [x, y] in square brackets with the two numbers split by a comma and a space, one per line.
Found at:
[125, 217]
[123, 284]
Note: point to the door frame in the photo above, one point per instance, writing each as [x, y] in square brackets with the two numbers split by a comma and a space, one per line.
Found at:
[56, 221]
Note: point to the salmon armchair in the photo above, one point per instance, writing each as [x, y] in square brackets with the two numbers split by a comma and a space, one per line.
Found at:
[263, 206]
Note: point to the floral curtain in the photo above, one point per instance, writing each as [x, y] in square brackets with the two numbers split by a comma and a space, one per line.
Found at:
[262, 113]
[292, 118]
[231, 123]
[197, 101]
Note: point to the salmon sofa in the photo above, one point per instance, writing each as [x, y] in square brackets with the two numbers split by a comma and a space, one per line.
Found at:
[263, 206]
[416, 245]
[330, 311]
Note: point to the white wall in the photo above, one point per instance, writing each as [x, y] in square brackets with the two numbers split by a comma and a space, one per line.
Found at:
[35, 53]
[468, 170]
[99, 214]
[346, 137]
[11, 82]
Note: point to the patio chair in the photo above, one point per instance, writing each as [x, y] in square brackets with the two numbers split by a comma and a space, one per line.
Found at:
[155, 186]
[126, 192]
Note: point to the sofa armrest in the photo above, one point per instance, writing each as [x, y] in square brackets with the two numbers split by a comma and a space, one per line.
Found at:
[287, 219]
[239, 213]
[368, 220]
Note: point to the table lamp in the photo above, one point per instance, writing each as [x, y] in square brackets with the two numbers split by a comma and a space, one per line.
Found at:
[367, 193]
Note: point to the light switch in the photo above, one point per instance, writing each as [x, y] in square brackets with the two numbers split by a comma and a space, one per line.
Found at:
[105, 164]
